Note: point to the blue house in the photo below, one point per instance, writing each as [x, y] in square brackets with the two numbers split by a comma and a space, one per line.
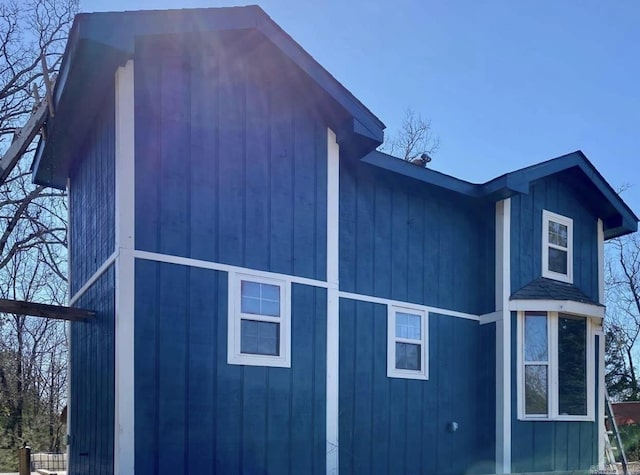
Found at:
[274, 296]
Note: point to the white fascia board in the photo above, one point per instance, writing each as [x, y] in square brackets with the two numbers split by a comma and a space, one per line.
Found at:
[561, 306]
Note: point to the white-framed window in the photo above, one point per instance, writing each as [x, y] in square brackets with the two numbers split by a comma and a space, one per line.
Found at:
[555, 367]
[557, 247]
[259, 321]
[407, 337]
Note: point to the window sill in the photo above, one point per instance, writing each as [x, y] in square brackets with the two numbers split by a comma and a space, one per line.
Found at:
[557, 419]
[399, 374]
[259, 360]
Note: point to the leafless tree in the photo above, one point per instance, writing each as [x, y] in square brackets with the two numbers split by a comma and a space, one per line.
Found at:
[623, 316]
[414, 141]
[33, 235]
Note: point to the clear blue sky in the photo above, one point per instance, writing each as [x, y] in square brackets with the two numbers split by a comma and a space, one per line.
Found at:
[505, 83]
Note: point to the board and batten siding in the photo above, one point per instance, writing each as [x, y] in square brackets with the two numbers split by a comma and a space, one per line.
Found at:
[401, 426]
[91, 198]
[92, 382]
[401, 239]
[230, 162]
[554, 194]
[91, 243]
[197, 414]
[546, 446]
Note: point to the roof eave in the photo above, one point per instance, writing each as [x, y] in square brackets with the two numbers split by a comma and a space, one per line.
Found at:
[114, 34]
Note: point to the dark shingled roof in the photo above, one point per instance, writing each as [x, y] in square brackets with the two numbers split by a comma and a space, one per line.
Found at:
[548, 289]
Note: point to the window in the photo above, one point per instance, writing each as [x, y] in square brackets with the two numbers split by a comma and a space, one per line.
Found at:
[259, 321]
[556, 367]
[407, 343]
[557, 247]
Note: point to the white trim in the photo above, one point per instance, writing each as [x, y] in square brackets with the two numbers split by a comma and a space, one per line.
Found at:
[425, 308]
[553, 373]
[600, 261]
[333, 303]
[124, 416]
[600, 411]
[96, 275]
[67, 327]
[503, 336]
[392, 339]
[189, 262]
[565, 221]
[562, 306]
[492, 317]
[235, 317]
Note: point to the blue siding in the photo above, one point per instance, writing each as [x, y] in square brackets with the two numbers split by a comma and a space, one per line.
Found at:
[539, 446]
[403, 240]
[92, 382]
[553, 194]
[91, 198]
[399, 426]
[197, 414]
[230, 159]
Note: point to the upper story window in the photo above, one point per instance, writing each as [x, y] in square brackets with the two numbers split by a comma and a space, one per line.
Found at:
[557, 247]
[556, 367]
[407, 343]
[259, 332]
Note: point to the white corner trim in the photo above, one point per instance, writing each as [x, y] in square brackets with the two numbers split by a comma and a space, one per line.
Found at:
[333, 303]
[600, 261]
[124, 417]
[561, 306]
[125, 158]
[503, 336]
[600, 412]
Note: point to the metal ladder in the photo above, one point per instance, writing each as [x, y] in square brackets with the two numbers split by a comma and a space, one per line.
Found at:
[612, 430]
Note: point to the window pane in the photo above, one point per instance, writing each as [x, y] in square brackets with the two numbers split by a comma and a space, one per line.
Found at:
[408, 326]
[408, 356]
[535, 337]
[250, 289]
[557, 260]
[535, 392]
[270, 307]
[251, 305]
[270, 292]
[572, 366]
[558, 234]
[260, 299]
[260, 338]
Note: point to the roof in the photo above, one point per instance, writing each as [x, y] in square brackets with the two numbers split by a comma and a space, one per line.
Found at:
[548, 289]
[626, 413]
[618, 219]
[100, 42]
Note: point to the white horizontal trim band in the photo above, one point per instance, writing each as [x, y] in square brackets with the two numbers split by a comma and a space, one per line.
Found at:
[187, 261]
[562, 306]
[92, 280]
[380, 300]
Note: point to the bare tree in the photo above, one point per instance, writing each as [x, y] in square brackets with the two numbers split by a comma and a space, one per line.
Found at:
[33, 236]
[623, 316]
[414, 141]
